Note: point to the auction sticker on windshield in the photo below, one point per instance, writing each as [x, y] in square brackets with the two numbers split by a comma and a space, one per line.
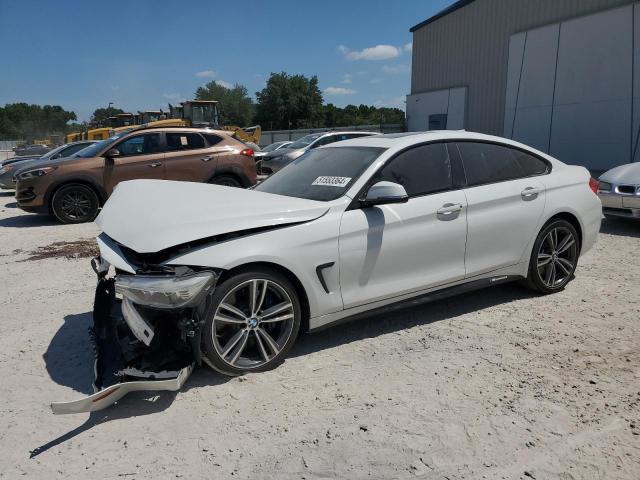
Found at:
[332, 181]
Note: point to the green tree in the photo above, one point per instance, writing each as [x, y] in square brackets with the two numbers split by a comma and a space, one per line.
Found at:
[290, 101]
[234, 107]
[24, 121]
[101, 114]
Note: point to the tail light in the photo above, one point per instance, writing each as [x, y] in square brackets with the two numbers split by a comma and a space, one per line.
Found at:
[593, 185]
[247, 152]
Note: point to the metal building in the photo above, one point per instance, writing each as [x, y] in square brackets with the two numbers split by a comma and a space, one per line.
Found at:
[560, 75]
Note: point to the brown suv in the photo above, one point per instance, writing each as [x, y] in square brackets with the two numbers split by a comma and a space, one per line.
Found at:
[75, 188]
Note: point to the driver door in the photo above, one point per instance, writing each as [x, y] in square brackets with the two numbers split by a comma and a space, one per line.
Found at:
[140, 156]
[391, 250]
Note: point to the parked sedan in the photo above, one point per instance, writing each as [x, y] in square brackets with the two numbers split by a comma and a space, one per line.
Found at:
[273, 147]
[12, 167]
[274, 161]
[35, 149]
[356, 227]
[619, 191]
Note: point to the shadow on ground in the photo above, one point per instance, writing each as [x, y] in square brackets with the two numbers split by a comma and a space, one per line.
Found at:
[621, 226]
[69, 358]
[25, 221]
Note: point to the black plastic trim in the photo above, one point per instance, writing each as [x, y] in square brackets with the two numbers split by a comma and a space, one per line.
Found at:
[441, 294]
[319, 270]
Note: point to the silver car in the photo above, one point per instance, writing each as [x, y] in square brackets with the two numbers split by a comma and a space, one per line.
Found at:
[619, 191]
[276, 160]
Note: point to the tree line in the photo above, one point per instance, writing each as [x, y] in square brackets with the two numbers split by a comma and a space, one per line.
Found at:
[286, 102]
[32, 122]
[290, 102]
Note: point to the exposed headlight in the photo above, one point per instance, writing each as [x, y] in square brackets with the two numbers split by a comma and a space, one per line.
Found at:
[165, 291]
[38, 172]
[604, 187]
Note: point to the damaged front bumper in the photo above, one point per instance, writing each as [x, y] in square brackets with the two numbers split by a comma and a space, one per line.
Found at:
[146, 332]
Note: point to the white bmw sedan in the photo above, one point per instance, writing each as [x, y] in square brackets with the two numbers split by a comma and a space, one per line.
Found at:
[193, 272]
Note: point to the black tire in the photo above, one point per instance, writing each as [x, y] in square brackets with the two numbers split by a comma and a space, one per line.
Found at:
[226, 180]
[553, 262]
[256, 352]
[75, 203]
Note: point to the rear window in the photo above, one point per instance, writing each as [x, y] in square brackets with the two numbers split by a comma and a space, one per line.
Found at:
[184, 141]
[323, 174]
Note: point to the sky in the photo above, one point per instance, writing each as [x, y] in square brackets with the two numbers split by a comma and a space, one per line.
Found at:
[143, 54]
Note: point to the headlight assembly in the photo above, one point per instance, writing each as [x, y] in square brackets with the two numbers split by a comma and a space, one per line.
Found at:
[37, 172]
[165, 291]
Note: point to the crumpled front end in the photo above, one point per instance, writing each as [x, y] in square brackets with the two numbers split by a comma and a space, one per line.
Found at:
[146, 331]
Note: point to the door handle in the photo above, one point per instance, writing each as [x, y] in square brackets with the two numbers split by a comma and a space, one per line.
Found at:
[449, 209]
[207, 158]
[154, 164]
[530, 193]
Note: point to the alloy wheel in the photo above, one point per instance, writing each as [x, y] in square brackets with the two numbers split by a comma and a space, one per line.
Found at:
[252, 323]
[76, 204]
[557, 257]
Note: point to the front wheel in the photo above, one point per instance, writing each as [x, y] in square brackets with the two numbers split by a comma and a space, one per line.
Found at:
[252, 322]
[75, 204]
[554, 257]
[226, 180]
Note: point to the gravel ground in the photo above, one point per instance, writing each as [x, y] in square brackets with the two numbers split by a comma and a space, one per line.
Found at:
[494, 384]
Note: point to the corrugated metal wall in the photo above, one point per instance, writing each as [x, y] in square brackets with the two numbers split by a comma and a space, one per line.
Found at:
[471, 47]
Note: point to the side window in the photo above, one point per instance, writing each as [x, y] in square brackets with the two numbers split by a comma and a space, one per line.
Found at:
[184, 141]
[530, 165]
[67, 152]
[489, 163]
[421, 170]
[140, 145]
[325, 141]
[212, 139]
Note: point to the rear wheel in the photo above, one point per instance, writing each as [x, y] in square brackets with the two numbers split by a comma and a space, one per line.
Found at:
[252, 322]
[226, 180]
[75, 204]
[554, 257]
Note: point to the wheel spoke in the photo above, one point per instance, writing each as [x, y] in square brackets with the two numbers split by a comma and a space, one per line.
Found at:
[565, 264]
[269, 339]
[265, 286]
[240, 348]
[566, 243]
[275, 309]
[232, 343]
[543, 259]
[224, 319]
[281, 318]
[550, 275]
[263, 351]
[232, 309]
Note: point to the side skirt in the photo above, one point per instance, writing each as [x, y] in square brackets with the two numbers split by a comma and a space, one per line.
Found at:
[423, 298]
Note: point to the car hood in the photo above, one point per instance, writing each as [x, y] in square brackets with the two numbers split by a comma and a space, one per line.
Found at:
[151, 215]
[25, 165]
[629, 173]
[19, 159]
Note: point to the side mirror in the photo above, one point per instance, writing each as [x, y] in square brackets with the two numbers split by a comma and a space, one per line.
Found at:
[112, 153]
[382, 193]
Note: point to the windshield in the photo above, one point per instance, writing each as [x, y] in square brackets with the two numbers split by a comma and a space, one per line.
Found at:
[305, 141]
[96, 148]
[51, 153]
[321, 174]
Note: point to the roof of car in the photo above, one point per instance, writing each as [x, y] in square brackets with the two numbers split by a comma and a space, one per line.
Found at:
[402, 140]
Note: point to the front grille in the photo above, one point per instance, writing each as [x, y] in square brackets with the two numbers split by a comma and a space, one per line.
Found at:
[628, 189]
[618, 211]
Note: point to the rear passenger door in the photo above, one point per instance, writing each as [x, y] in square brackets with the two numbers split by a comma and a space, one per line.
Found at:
[505, 204]
[189, 156]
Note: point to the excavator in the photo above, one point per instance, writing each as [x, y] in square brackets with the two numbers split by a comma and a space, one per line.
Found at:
[192, 113]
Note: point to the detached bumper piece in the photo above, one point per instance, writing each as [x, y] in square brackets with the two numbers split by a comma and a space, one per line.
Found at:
[136, 348]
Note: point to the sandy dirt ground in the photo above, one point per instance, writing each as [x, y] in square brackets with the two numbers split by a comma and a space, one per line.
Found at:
[494, 384]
